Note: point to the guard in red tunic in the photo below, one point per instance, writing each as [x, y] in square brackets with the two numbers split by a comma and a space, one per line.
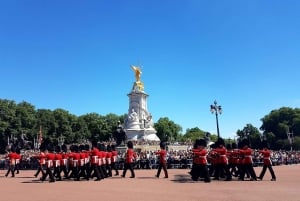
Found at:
[94, 170]
[64, 161]
[222, 166]
[129, 160]
[108, 160]
[114, 157]
[42, 162]
[50, 157]
[267, 161]
[162, 160]
[57, 163]
[12, 157]
[247, 162]
[199, 168]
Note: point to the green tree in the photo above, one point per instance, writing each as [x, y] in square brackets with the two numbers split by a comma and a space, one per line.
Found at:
[252, 134]
[280, 122]
[167, 130]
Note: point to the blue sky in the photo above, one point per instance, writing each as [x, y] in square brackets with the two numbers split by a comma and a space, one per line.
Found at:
[76, 55]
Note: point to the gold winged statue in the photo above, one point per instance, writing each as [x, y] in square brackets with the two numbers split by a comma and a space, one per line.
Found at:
[138, 72]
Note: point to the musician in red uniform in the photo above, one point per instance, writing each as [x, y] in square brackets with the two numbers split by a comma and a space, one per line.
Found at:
[129, 160]
[267, 161]
[114, 157]
[199, 168]
[12, 157]
[247, 162]
[162, 160]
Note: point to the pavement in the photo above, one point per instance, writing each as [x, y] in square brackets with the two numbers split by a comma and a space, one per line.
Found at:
[146, 187]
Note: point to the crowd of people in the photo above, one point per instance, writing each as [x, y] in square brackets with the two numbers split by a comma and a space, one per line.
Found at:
[98, 161]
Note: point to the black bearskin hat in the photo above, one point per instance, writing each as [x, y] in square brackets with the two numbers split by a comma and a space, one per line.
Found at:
[220, 141]
[130, 145]
[113, 147]
[245, 142]
[162, 145]
[233, 145]
[264, 144]
[57, 149]
[64, 148]
[228, 146]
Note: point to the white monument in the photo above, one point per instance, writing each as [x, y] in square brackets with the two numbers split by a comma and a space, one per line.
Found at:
[138, 124]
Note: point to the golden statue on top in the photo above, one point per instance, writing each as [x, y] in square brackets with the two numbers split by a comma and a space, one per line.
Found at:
[137, 70]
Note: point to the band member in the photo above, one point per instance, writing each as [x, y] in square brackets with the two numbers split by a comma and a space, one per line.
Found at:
[42, 162]
[247, 162]
[114, 157]
[12, 157]
[267, 161]
[162, 160]
[129, 160]
[222, 166]
[199, 168]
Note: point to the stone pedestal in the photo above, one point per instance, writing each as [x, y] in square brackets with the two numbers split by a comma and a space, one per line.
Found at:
[138, 125]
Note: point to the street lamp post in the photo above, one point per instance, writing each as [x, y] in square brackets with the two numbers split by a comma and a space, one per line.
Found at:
[60, 140]
[290, 136]
[216, 109]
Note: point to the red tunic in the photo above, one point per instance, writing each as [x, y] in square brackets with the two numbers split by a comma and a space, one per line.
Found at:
[267, 156]
[108, 157]
[162, 156]
[13, 156]
[58, 158]
[42, 158]
[130, 156]
[199, 156]
[94, 156]
[221, 152]
[246, 155]
[114, 156]
[50, 158]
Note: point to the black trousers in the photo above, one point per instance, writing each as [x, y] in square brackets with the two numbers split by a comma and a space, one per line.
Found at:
[164, 167]
[11, 169]
[262, 174]
[199, 170]
[130, 167]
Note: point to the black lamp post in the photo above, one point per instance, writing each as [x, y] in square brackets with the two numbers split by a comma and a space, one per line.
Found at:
[216, 109]
[290, 136]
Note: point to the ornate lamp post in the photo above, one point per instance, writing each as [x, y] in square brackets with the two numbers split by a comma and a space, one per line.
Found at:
[216, 109]
[60, 140]
[290, 136]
